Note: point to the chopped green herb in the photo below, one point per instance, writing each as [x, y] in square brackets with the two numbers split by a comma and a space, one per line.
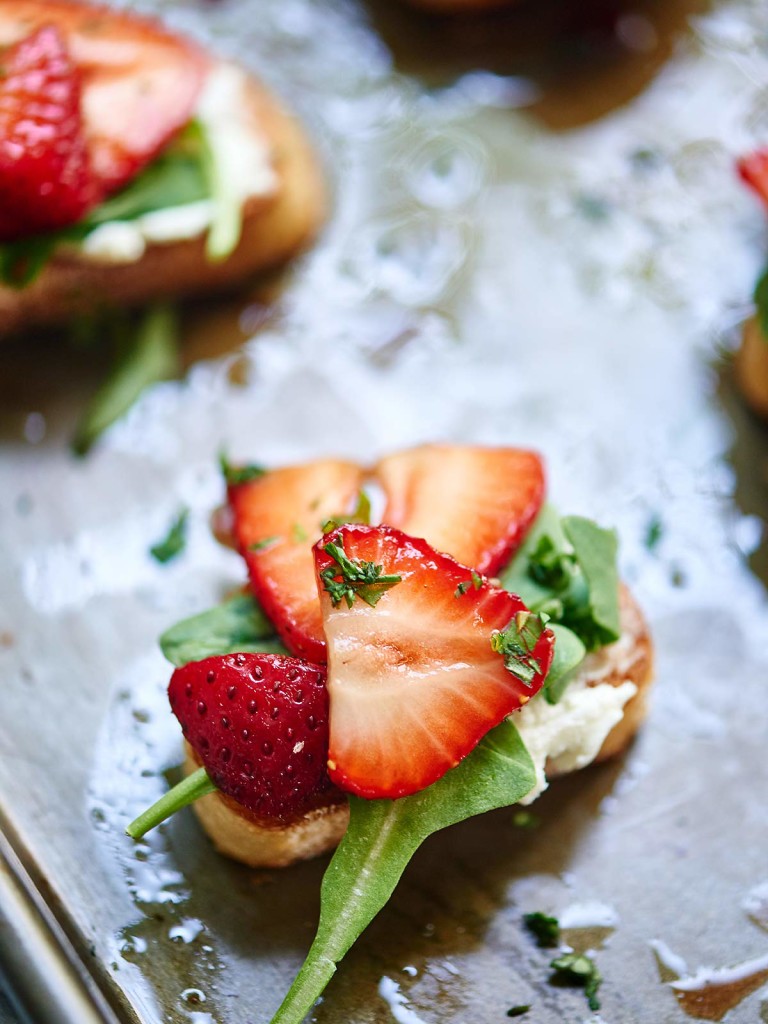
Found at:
[545, 929]
[761, 301]
[298, 534]
[259, 545]
[361, 514]
[579, 969]
[362, 579]
[236, 475]
[174, 541]
[517, 643]
[151, 357]
[462, 588]
[653, 532]
[477, 580]
[518, 1011]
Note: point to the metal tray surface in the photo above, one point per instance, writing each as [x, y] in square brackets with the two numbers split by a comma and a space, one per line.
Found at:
[482, 278]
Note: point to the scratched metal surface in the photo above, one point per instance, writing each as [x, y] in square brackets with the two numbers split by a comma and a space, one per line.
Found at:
[501, 265]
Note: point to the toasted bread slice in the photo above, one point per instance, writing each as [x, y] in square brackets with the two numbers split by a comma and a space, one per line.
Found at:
[238, 836]
[275, 227]
[751, 367]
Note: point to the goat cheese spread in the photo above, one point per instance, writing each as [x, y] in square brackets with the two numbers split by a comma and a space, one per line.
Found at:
[569, 734]
[240, 153]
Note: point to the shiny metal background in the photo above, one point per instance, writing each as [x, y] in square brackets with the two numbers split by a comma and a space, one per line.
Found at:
[537, 237]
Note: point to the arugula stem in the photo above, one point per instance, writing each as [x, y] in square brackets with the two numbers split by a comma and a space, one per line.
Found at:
[309, 984]
[184, 793]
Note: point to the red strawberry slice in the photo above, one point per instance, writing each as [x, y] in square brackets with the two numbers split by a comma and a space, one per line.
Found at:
[45, 176]
[473, 503]
[277, 519]
[754, 171]
[414, 681]
[140, 81]
[259, 725]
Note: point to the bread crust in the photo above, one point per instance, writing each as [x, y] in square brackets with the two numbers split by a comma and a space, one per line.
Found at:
[751, 367]
[237, 836]
[274, 228]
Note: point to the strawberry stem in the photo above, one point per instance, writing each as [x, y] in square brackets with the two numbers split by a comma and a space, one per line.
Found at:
[183, 793]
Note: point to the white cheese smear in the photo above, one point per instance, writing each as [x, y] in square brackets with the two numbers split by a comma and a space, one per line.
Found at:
[569, 734]
[242, 156]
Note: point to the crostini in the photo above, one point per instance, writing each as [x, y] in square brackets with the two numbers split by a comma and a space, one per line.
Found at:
[380, 682]
[136, 166]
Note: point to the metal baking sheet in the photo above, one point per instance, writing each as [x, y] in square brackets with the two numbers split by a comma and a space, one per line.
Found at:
[538, 241]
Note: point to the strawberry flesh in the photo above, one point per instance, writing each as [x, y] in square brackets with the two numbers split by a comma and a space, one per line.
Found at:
[259, 725]
[45, 175]
[140, 81]
[753, 169]
[474, 503]
[414, 683]
[277, 519]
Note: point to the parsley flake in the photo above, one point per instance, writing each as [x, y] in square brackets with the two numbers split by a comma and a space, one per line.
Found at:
[235, 475]
[477, 580]
[266, 542]
[298, 534]
[462, 589]
[517, 643]
[361, 514]
[545, 929]
[518, 1011]
[579, 969]
[653, 532]
[358, 578]
[174, 541]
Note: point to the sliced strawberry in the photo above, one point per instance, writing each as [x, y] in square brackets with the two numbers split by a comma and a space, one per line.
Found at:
[277, 519]
[45, 175]
[140, 81]
[414, 681]
[754, 171]
[259, 725]
[473, 503]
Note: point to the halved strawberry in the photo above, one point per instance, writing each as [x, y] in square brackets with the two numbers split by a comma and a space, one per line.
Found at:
[45, 176]
[140, 81]
[277, 519]
[754, 171]
[473, 503]
[259, 725]
[413, 676]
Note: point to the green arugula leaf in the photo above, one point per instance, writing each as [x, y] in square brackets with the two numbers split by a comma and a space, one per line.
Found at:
[545, 929]
[382, 837]
[596, 550]
[238, 625]
[566, 569]
[579, 969]
[22, 261]
[152, 357]
[174, 178]
[174, 541]
[358, 578]
[761, 301]
[569, 654]
[517, 643]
